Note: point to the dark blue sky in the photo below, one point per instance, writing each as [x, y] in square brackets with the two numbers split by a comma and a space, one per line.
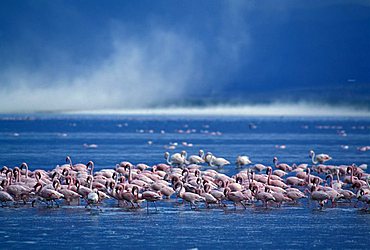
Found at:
[144, 53]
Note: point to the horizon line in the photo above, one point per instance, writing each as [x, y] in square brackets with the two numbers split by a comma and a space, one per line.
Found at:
[272, 109]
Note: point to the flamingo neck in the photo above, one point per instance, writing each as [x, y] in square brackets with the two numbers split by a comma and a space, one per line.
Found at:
[130, 174]
[69, 160]
[181, 190]
[269, 176]
[168, 160]
[10, 179]
[92, 169]
[211, 161]
[313, 159]
[338, 179]
[201, 155]
[186, 177]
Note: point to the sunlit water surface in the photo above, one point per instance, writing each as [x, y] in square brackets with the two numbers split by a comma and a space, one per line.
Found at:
[44, 141]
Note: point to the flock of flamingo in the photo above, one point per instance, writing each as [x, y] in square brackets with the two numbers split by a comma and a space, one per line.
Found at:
[188, 179]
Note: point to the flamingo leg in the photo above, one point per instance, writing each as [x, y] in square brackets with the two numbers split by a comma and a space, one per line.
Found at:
[155, 206]
[356, 204]
[243, 205]
[191, 205]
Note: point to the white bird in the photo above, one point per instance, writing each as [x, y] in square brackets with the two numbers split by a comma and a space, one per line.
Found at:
[178, 159]
[216, 161]
[320, 158]
[197, 159]
[208, 157]
[242, 160]
[93, 198]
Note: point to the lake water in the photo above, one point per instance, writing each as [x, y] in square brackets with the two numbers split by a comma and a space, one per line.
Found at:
[44, 141]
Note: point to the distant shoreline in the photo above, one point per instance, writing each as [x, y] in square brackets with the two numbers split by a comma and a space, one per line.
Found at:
[243, 110]
[269, 110]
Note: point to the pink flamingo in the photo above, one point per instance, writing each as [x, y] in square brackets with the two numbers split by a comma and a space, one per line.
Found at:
[5, 197]
[235, 197]
[69, 195]
[46, 195]
[209, 198]
[265, 197]
[320, 196]
[276, 183]
[192, 198]
[151, 196]
[282, 166]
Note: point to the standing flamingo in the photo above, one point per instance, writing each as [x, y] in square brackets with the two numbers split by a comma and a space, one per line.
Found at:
[192, 198]
[197, 159]
[151, 196]
[178, 159]
[216, 161]
[320, 158]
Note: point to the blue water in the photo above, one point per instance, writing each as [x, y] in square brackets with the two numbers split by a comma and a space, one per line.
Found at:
[44, 141]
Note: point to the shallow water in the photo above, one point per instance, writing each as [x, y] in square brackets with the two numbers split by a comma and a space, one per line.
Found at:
[44, 141]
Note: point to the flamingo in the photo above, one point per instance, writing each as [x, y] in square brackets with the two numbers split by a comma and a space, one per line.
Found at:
[178, 159]
[295, 195]
[167, 191]
[46, 194]
[279, 197]
[131, 197]
[265, 197]
[192, 198]
[320, 158]
[364, 197]
[242, 160]
[272, 182]
[69, 195]
[235, 197]
[259, 167]
[5, 197]
[294, 181]
[282, 166]
[151, 196]
[320, 196]
[215, 161]
[18, 192]
[92, 199]
[197, 159]
[209, 198]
